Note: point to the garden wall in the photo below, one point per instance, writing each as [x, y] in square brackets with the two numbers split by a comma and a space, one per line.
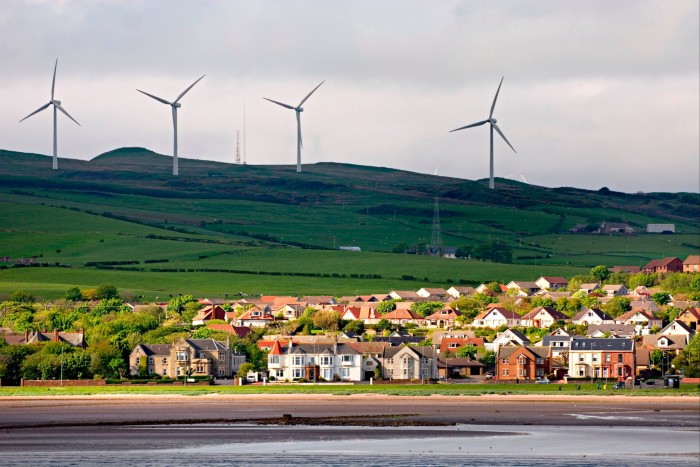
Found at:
[65, 382]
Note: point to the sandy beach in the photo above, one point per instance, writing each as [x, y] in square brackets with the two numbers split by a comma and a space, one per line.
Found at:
[365, 409]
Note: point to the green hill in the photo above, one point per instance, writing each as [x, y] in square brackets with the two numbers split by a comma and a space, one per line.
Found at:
[268, 229]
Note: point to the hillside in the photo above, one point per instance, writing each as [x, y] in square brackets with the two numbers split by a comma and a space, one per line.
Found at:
[238, 220]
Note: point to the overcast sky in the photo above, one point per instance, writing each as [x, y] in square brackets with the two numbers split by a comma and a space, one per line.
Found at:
[596, 93]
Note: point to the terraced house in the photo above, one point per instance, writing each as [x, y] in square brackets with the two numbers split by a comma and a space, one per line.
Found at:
[196, 357]
[313, 362]
[601, 358]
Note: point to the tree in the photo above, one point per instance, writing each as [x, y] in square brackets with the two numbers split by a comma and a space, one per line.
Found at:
[327, 320]
[383, 325]
[466, 351]
[496, 251]
[357, 326]
[74, 294]
[617, 306]
[244, 369]
[387, 306]
[601, 273]
[21, 296]
[689, 358]
[109, 306]
[656, 358]
[661, 298]
[106, 292]
[488, 359]
[400, 248]
[464, 252]
[426, 308]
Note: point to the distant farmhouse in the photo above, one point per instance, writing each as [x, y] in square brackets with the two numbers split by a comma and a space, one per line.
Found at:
[661, 228]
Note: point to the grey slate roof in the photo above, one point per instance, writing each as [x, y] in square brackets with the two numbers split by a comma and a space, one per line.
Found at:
[601, 344]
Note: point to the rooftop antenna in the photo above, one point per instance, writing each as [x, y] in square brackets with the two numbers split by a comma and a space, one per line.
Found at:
[492, 126]
[56, 105]
[436, 238]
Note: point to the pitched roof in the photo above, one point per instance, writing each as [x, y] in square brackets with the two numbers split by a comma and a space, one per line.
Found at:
[692, 259]
[613, 329]
[555, 314]
[206, 344]
[276, 348]
[507, 351]
[637, 311]
[156, 349]
[402, 314]
[659, 263]
[596, 311]
[503, 311]
[240, 331]
[601, 344]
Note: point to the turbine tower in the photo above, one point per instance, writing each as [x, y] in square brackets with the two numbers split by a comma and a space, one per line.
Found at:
[298, 109]
[56, 105]
[175, 105]
[492, 123]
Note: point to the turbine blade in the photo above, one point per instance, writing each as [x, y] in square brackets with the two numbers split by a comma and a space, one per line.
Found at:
[191, 86]
[36, 111]
[309, 94]
[493, 106]
[280, 103]
[301, 143]
[504, 137]
[53, 82]
[67, 114]
[155, 97]
[470, 126]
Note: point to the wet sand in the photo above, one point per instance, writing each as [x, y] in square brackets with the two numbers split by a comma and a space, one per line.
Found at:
[362, 410]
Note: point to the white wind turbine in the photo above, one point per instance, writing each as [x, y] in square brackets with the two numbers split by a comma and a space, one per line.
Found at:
[492, 123]
[175, 105]
[56, 105]
[518, 175]
[298, 109]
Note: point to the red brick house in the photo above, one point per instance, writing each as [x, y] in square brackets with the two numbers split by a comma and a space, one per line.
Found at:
[692, 264]
[663, 265]
[523, 363]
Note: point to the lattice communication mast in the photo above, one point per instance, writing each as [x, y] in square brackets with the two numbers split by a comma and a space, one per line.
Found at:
[436, 238]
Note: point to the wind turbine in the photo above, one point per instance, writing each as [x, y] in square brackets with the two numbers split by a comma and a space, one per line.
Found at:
[56, 105]
[492, 122]
[520, 176]
[298, 109]
[175, 105]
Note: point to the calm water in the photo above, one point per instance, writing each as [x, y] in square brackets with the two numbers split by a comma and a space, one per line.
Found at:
[502, 445]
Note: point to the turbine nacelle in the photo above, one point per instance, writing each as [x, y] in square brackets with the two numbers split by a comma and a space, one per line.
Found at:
[176, 105]
[55, 102]
[493, 120]
[299, 109]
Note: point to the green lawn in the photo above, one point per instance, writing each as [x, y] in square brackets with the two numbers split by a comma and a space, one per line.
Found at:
[399, 390]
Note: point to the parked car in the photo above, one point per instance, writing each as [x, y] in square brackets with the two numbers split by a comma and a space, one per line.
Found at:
[650, 382]
[542, 381]
[619, 385]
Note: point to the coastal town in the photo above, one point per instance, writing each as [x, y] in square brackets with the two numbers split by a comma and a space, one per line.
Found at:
[618, 326]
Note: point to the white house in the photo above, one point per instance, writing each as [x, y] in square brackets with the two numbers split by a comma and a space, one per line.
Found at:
[551, 283]
[496, 317]
[314, 361]
[592, 316]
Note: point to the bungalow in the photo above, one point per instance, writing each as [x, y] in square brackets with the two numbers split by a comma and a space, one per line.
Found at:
[611, 330]
[459, 367]
[496, 317]
[664, 265]
[403, 316]
[616, 290]
[456, 292]
[409, 363]
[592, 316]
[454, 343]
[523, 363]
[551, 283]
[690, 317]
[601, 358]
[647, 305]
[314, 361]
[638, 317]
[678, 327]
[671, 343]
[543, 317]
[640, 291]
[509, 337]
[691, 264]
[75, 339]
[255, 317]
[445, 318]
[524, 289]
[407, 295]
[589, 288]
[209, 313]
[290, 311]
[433, 292]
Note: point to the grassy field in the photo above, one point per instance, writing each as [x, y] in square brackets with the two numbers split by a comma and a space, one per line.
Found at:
[398, 390]
[124, 206]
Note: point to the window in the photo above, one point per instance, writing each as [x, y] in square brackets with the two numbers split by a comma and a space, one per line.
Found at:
[504, 361]
[581, 372]
[150, 360]
[165, 360]
[138, 360]
[390, 360]
[523, 372]
[222, 357]
[539, 361]
[594, 358]
[345, 372]
[347, 358]
[202, 354]
[297, 373]
[581, 358]
[619, 372]
[405, 371]
[619, 358]
[504, 372]
[607, 358]
[453, 345]
[279, 373]
[540, 372]
[183, 356]
[326, 361]
[275, 359]
[297, 361]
